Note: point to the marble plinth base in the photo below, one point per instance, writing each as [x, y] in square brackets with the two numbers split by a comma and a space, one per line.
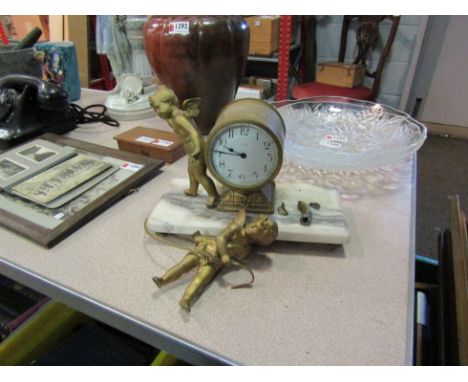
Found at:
[179, 214]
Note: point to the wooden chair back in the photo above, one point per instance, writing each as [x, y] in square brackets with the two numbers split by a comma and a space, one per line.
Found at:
[367, 35]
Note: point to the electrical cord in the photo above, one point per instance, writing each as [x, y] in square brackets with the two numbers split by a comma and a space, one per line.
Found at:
[82, 115]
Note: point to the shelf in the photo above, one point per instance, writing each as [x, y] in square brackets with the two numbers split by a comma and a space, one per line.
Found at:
[274, 58]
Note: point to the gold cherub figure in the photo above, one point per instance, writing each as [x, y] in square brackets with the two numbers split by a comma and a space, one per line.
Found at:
[165, 103]
[211, 253]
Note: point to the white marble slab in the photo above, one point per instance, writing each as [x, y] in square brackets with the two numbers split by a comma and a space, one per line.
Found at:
[178, 214]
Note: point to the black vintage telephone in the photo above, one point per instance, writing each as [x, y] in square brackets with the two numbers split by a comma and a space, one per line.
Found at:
[29, 107]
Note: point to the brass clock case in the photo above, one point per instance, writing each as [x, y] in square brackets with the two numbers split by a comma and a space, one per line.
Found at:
[248, 111]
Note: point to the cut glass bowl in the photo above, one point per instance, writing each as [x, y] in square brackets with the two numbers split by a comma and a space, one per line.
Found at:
[339, 133]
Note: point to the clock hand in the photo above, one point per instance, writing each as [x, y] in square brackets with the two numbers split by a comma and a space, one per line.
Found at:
[234, 151]
[242, 155]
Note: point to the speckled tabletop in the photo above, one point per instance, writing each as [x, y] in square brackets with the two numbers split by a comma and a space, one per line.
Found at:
[310, 304]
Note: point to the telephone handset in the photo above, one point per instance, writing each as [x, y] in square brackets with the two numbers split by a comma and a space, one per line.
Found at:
[29, 107]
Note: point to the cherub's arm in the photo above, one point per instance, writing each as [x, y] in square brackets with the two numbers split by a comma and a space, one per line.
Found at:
[198, 237]
[223, 239]
[197, 143]
[194, 136]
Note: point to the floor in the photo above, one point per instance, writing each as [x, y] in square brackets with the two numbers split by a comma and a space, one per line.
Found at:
[442, 171]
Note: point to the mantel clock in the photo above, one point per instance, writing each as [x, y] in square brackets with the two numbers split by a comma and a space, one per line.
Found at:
[244, 152]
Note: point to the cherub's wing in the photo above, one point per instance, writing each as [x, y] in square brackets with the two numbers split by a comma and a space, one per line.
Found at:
[191, 107]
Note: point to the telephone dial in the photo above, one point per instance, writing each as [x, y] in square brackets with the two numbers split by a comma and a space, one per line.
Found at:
[29, 107]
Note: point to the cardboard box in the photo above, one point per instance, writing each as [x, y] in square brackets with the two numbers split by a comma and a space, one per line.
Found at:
[151, 142]
[26, 23]
[264, 34]
[340, 74]
[250, 91]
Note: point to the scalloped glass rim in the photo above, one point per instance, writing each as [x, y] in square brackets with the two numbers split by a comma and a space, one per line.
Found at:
[376, 135]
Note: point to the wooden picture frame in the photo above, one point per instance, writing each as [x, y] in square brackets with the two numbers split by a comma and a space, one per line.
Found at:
[145, 168]
[453, 314]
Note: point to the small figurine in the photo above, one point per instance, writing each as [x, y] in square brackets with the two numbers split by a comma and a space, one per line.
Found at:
[211, 253]
[165, 103]
[52, 66]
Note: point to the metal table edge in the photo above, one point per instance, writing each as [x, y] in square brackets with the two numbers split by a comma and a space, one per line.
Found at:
[172, 344]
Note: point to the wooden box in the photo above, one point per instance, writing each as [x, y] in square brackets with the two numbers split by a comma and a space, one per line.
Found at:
[151, 142]
[340, 74]
[264, 34]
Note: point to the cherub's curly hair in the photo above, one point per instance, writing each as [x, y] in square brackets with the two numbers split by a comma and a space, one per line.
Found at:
[267, 232]
[164, 94]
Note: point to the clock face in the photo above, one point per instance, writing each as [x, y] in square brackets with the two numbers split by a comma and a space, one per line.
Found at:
[244, 156]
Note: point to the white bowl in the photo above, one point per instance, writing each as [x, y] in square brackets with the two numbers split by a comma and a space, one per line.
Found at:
[339, 133]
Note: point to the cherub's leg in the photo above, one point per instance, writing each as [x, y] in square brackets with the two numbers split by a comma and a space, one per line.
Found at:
[188, 262]
[193, 188]
[210, 188]
[203, 277]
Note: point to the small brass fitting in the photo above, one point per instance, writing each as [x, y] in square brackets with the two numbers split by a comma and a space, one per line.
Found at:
[282, 210]
[306, 214]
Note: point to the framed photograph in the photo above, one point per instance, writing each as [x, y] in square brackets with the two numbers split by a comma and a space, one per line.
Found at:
[37, 153]
[22, 162]
[114, 172]
[56, 181]
[10, 169]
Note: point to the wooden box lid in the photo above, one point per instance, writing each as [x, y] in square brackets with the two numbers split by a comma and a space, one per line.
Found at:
[151, 142]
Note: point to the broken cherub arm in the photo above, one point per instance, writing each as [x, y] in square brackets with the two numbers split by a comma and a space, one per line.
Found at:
[225, 236]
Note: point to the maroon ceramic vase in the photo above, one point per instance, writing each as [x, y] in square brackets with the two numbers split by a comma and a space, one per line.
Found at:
[199, 56]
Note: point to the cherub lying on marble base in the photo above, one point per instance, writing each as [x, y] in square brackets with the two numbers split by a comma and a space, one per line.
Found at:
[211, 253]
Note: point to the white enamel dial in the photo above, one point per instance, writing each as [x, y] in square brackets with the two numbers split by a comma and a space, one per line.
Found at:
[243, 155]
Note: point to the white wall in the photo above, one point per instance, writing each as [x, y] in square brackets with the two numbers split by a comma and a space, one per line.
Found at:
[446, 101]
[398, 62]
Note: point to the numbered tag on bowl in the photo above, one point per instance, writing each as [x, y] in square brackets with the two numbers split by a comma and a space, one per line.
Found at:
[330, 144]
[335, 138]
